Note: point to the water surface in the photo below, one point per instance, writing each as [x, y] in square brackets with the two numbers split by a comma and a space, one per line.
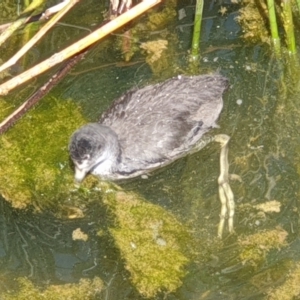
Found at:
[260, 113]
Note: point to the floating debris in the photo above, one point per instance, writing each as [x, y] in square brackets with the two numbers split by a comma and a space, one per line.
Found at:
[269, 206]
[79, 235]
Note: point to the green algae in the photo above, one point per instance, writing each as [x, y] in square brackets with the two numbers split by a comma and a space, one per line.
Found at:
[153, 244]
[253, 21]
[160, 19]
[159, 55]
[290, 289]
[255, 247]
[85, 289]
[34, 159]
[154, 50]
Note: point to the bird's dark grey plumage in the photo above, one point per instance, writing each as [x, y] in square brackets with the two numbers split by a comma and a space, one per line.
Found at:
[148, 128]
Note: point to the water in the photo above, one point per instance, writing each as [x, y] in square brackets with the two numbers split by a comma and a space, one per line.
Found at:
[260, 114]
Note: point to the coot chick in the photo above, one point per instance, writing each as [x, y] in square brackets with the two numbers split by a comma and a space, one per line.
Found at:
[151, 127]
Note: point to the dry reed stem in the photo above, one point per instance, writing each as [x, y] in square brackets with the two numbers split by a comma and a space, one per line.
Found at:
[78, 46]
[38, 36]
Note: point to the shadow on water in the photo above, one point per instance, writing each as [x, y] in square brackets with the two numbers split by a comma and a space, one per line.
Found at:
[260, 114]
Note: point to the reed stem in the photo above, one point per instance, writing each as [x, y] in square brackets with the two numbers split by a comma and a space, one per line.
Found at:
[197, 31]
[298, 3]
[273, 26]
[288, 25]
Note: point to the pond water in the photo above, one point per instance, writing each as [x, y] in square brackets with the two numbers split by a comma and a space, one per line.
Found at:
[261, 115]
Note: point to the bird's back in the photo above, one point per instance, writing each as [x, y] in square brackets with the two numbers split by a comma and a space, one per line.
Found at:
[157, 123]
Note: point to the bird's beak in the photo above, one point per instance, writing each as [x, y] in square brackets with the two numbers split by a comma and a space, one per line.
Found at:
[79, 175]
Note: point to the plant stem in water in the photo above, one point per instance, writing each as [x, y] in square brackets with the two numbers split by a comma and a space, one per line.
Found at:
[273, 26]
[288, 24]
[197, 31]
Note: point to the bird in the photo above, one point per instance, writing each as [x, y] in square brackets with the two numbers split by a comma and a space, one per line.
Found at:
[148, 128]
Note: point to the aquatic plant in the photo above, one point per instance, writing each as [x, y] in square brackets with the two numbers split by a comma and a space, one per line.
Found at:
[290, 288]
[34, 160]
[159, 49]
[255, 247]
[85, 289]
[288, 24]
[273, 25]
[258, 19]
[154, 245]
[252, 18]
[197, 31]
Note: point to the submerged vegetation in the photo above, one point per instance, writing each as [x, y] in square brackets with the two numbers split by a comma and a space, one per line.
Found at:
[34, 160]
[154, 245]
[262, 22]
[85, 289]
[253, 21]
[159, 48]
[290, 288]
[255, 247]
